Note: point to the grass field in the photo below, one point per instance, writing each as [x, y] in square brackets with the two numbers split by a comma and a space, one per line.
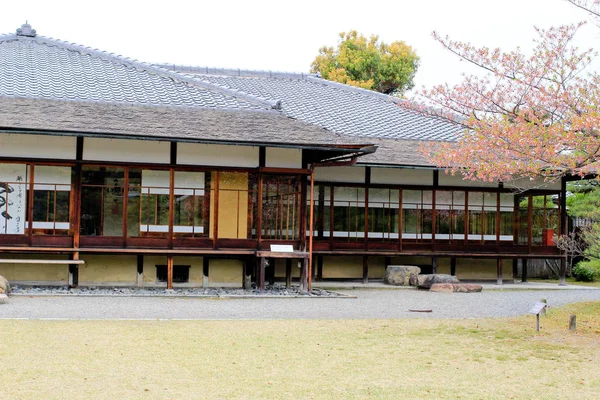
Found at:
[388, 359]
[570, 281]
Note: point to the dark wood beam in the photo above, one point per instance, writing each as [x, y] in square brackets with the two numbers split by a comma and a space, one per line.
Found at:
[563, 228]
[261, 273]
[288, 273]
[169, 272]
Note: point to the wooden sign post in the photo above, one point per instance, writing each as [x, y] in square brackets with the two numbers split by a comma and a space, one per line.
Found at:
[537, 309]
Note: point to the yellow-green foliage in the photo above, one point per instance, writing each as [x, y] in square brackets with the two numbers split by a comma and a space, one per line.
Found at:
[368, 63]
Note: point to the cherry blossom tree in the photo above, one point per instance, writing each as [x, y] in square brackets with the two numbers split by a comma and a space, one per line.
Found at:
[591, 6]
[528, 115]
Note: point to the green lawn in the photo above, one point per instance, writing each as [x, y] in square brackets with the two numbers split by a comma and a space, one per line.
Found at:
[388, 359]
[570, 281]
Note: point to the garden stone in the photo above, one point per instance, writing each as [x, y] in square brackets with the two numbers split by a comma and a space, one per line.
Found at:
[456, 288]
[399, 275]
[4, 285]
[425, 281]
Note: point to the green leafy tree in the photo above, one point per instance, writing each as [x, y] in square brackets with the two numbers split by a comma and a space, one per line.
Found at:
[368, 63]
[585, 203]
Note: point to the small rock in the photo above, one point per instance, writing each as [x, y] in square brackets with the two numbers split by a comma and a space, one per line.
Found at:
[4, 285]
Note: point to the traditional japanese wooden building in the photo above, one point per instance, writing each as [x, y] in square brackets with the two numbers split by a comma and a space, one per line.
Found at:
[116, 172]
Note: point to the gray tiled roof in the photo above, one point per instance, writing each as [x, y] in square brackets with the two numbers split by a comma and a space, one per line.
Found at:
[40, 67]
[333, 106]
[255, 127]
[46, 84]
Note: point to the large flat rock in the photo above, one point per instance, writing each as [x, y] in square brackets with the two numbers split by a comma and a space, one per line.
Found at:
[399, 275]
[425, 281]
[456, 288]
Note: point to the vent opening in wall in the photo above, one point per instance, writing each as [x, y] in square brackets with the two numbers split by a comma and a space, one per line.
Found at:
[181, 273]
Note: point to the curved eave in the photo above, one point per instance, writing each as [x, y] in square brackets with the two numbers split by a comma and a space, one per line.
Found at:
[332, 151]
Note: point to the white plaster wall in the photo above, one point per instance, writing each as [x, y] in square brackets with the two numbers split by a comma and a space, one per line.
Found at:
[447, 179]
[283, 158]
[37, 146]
[145, 151]
[340, 174]
[402, 176]
[217, 155]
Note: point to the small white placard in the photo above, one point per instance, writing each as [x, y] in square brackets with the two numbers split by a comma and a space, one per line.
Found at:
[282, 248]
[537, 308]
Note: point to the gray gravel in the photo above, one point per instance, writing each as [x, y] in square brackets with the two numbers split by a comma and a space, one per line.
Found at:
[366, 304]
[270, 291]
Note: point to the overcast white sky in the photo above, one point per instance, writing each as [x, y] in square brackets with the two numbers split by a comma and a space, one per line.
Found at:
[285, 35]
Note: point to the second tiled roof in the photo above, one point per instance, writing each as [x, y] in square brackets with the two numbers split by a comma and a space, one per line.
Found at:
[340, 108]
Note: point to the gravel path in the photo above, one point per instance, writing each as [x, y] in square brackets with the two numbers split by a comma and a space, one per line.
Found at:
[367, 304]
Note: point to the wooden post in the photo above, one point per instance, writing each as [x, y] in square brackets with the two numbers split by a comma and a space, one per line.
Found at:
[126, 204]
[366, 210]
[74, 271]
[400, 220]
[261, 274]
[140, 270]
[216, 211]
[436, 180]
[498, 218]
[529, 223]
[288, 272]
[205, 270]
[524, 271]
[453, 266]
[499, 271]
[169, 272]
[515, 270]
[304, 275]
[259, 206]
[563, 229]
[572, 322]
[31, 179]
[365, 269]
[434, 265]
[466, 243]
[311, 227]
[76, 196]
[171, 206]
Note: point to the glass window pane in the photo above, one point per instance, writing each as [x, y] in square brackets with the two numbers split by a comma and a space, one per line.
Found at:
[102, 198]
